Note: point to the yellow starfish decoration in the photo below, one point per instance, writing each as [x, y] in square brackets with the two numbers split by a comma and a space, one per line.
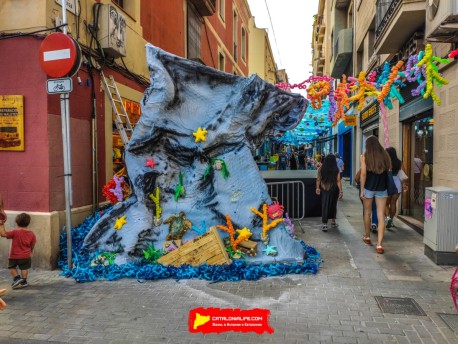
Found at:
[265, 225]
[244, 233]
[120, 221]
[200, 135]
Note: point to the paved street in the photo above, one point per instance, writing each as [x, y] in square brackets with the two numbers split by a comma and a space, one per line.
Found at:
[336, 305]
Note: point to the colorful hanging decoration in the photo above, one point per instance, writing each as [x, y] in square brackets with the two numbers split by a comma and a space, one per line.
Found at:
[200, 135]
[318, 89]
[418, 74]
[230, 230]
[386, 82]
[432, 73]
[341, 98]
[453, 54]
[266, 226]
[156, 199]
[364, 88]
[275, 211]
[120, 222]
[218, 165]
[178, 225]
[150, 163]
[179, 189]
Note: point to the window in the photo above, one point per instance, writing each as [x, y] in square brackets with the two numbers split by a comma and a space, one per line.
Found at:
[221, 61]
[120, 3]
[221, 9]
[193, 34]
[235, 24]
[243, 44]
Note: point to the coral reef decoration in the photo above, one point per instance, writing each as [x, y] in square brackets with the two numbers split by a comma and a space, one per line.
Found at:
[244, 233]
[179, 189]
[275, 210]
[202, 230]
[156, 200]
[200, 135]
[270, 250]
[229, 228]
[150, 163]
[120, 222]
[387, 82]
[106, 191]
[117, 191]
[341, 98]
[104, 259]
[289, 225]
[218, 165]
[364, 88]
[266, 226]
[432, 73]
[178, 225]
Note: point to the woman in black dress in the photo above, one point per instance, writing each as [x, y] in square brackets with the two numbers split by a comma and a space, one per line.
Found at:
[329, 186]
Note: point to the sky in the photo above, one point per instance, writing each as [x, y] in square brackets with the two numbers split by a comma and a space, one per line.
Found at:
[290, 33]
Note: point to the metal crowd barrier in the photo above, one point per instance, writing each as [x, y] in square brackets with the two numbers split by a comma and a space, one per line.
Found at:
[291, 195]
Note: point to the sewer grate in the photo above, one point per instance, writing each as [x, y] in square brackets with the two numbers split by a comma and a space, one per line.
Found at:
[451, 320]
[399, 305]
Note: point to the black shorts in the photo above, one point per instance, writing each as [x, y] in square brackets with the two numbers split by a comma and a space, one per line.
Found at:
[24, 264]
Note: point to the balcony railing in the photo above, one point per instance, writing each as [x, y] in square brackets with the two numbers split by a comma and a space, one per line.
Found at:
[385, 9]
[205, 7]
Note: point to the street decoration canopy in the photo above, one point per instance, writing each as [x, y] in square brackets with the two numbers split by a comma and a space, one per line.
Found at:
[421, 68]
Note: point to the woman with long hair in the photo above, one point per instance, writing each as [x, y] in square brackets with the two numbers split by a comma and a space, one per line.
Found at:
[329, 186]
[375, 164]
[391, 201]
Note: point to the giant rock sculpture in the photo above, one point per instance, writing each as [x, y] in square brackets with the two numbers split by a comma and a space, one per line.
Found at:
[238, 113]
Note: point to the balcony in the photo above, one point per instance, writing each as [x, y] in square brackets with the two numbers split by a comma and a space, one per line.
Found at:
[205, 7]
[342, 3]
[343, 51]
[396, 21]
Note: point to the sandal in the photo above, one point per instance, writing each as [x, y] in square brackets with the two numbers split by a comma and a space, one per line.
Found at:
[367, 240]
[379, 249]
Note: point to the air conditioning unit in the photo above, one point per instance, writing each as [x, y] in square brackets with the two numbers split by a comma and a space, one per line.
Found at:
[442, 21]
[112, 32]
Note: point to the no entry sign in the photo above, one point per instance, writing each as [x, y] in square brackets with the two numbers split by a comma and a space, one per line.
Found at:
[60, 55]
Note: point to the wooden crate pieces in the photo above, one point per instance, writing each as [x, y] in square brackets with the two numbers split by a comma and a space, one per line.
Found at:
[207, 248]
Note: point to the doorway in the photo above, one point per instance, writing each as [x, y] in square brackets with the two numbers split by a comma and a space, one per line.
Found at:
[347, 154]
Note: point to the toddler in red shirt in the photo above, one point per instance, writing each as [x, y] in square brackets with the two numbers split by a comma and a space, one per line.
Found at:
[21, 249]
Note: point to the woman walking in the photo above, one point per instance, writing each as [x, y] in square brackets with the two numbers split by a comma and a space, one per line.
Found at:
[375, 163]
[391, 201]
[329, 186]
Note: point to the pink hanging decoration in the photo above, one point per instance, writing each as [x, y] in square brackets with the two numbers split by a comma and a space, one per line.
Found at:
[453, 54]
[385, 124]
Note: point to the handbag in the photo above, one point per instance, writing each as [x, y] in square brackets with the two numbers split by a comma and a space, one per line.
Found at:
[402, 176]
[391, 187]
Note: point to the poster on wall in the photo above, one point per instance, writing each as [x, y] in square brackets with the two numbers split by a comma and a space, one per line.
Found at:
[12, 123]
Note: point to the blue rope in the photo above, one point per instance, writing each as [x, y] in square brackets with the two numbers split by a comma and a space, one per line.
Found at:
[82, 270]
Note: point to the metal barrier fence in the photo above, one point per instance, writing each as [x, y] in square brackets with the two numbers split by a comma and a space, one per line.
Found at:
[291, 195]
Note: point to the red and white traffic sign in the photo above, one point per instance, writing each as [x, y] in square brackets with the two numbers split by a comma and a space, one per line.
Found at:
[60, 55]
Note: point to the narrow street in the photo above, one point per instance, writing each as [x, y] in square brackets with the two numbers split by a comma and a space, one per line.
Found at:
[338, 304]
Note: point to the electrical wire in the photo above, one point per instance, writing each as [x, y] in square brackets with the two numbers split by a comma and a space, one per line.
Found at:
[273, 31]
[21, 34]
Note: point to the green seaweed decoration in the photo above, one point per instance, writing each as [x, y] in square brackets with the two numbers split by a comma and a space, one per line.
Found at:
[219, 165]
[179, 189]
[109, 256]
[151, 255]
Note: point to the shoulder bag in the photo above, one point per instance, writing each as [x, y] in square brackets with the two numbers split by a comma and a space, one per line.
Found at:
[390, 185]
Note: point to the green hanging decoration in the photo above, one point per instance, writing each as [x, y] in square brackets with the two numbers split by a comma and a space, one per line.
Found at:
[219, 165]
[179, 189]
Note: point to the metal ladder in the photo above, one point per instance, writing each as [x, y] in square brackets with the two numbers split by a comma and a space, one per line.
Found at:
[122, 121]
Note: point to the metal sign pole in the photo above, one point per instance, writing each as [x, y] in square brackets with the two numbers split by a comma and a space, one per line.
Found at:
[65, 115]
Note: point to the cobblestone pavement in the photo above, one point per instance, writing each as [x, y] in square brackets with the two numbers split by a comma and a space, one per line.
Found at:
[337, 305]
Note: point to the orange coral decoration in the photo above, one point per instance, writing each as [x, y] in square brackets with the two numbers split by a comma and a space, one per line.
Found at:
[392, 78]
[316, 91]
[244, 235]
[365, 88]
[265, 225]
[341, 97]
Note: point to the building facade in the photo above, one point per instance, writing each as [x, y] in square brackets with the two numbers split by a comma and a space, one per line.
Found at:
[213, 32]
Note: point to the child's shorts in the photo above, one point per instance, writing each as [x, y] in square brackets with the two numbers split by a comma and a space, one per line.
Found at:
[24, 264]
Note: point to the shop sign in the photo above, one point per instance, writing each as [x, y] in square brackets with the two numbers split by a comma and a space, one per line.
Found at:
[70, 5]
[369, 113]
[12, 123]
[350, 121]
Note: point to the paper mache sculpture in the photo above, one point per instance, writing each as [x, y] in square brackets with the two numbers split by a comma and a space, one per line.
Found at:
[192, 117]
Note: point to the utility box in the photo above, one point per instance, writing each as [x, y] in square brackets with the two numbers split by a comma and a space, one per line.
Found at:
[441, 225]
[112, 34]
